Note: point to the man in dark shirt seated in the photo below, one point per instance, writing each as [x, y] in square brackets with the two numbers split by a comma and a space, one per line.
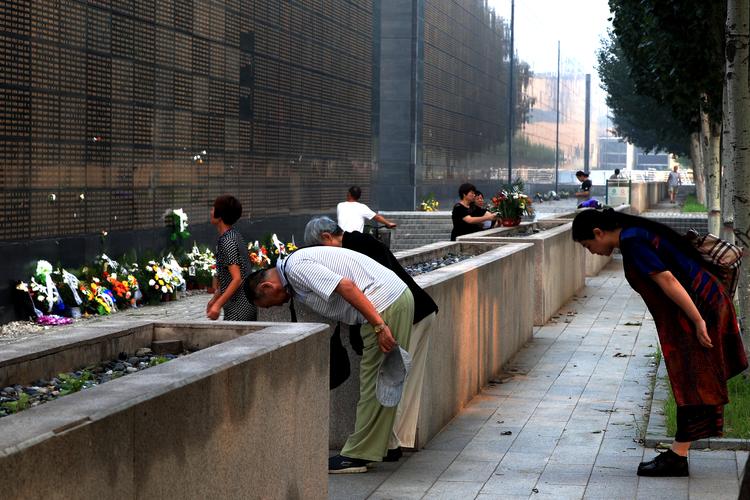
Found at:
[584, 192]
[324, 231]
[464, 220]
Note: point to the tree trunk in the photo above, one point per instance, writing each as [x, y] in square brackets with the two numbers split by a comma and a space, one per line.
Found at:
[696, 158]
[738, 96]
[727, 167]
[713, 178]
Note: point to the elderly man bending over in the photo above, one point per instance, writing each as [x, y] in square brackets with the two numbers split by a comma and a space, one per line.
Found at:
[324, 231]
[343, 285]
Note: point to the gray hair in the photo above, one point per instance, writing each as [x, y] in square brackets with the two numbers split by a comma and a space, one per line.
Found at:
[319, 225]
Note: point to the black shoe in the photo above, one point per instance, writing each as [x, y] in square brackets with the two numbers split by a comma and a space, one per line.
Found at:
[393, 455]
[667, 464]
[345, 465]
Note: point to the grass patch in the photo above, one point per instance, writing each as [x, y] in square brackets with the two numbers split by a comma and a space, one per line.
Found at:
[736, 413]
[692, 205]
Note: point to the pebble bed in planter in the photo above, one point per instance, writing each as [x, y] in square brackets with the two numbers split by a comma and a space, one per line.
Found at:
[426, 267]
[18, 397]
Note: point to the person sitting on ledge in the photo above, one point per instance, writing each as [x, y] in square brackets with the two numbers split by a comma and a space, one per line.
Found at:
[346, 286]
[324, 231]
[352, 214]
[464, 220]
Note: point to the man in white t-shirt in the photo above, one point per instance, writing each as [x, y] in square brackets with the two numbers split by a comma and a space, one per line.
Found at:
[352, 214]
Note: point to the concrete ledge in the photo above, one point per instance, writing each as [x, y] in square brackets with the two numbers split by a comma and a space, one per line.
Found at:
[593, 263]
[656, 431]
[246, 415]
[559, 263]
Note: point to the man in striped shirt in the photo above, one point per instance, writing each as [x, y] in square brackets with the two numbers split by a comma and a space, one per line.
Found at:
[347, 286]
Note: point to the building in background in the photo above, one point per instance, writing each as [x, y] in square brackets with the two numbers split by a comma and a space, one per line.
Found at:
[443, 107]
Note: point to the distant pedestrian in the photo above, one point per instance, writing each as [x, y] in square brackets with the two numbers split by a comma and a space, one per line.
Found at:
[232, 264]
[584, 192]
[673, 183]
[352, 214]
[616, 175]
[695, 320]
[463, 220]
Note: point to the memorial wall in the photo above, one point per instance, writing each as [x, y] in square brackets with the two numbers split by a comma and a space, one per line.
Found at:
[113, 112]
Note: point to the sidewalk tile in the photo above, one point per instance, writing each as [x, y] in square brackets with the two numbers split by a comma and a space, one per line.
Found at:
[469, 470]
[511, 483]
[559, 492]
[450, 490]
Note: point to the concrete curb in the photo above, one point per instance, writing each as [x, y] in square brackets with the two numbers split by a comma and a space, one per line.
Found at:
[656, 431]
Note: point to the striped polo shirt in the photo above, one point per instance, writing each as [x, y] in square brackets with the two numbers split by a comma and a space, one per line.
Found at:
[315, 272]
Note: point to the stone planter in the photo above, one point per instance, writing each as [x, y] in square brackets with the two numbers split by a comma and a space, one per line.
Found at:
[559, 262]
[188, 428]
[594, 263]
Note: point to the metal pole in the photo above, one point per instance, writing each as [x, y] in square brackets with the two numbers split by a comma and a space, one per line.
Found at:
[557, 126]
[587, 128]
[511, 94]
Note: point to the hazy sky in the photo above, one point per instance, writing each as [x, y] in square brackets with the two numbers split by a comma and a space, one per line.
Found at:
[539, 24]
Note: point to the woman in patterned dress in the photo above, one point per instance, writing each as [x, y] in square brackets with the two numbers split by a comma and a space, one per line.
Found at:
[694, 316]
[232, 264]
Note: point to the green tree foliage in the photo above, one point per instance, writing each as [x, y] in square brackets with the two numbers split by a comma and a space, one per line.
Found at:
[675, 51]
[642, 120]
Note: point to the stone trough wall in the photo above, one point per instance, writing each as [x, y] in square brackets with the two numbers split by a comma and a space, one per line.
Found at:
[559, 263]
[236, 419]
[484, 320]
[594, 263]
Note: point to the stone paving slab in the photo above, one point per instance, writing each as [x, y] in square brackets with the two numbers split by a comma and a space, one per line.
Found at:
[577, 408]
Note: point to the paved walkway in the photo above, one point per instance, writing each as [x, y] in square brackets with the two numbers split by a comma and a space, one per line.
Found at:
[566, 425]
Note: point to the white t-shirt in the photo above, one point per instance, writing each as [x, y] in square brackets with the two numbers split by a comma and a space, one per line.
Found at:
[352, 215]
[674, 179]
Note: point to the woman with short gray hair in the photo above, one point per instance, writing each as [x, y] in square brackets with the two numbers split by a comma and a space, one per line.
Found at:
[317, 227]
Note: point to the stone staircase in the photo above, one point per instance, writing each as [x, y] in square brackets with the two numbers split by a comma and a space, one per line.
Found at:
[416, 229]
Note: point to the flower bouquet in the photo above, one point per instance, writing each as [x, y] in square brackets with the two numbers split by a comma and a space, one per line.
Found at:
[123, 289]
[258, 255]
[265, 255]
[42, 289]
[201, 267]
[511, 204]
[429, 204]
[179, 222]
[160, 282]
[97, 298]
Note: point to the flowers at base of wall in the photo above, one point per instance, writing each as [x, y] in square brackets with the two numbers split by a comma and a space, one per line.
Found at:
[263, 256]
[201, 267]
[429, 204]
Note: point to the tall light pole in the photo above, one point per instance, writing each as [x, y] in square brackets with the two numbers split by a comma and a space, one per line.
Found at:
[587, 126]
[557, 125]
[511, 94]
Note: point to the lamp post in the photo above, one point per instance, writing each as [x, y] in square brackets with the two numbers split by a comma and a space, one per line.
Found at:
[511, 94]
[557, 120]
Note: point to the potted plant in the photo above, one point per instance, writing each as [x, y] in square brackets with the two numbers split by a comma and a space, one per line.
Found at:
[511, 204]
